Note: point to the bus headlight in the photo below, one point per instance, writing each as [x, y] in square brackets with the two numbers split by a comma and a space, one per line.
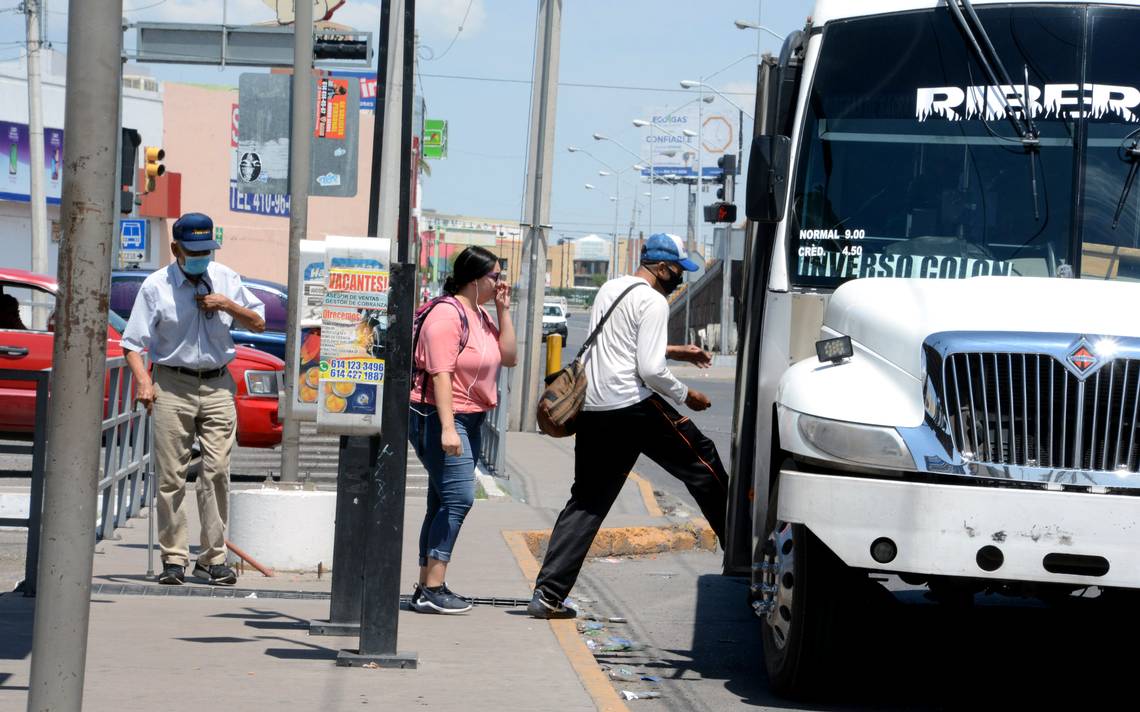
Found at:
[865, 444]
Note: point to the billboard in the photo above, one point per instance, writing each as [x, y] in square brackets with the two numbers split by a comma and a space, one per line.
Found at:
[16, 184]
[666, 148]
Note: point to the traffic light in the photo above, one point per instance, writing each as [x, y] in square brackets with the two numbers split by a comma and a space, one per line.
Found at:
[720, 212]
[154, 167]
[128, 160]
[724, 211]
[342, 46]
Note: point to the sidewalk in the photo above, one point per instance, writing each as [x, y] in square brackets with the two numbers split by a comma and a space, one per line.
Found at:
[147, 652]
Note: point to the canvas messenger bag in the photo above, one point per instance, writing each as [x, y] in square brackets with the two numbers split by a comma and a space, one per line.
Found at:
[566, 390]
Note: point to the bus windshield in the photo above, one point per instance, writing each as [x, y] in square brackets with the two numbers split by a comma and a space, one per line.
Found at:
[909, 164]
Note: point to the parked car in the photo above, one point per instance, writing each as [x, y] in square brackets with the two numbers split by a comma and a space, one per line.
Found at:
[125, 285]
[554, 321]
[26, 344]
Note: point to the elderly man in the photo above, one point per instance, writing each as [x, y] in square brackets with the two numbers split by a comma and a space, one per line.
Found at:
[183, 314]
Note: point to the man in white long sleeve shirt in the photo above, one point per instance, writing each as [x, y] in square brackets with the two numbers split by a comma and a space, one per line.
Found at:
[629, 412]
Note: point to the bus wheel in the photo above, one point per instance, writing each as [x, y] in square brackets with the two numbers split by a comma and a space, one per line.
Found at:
[801, 590]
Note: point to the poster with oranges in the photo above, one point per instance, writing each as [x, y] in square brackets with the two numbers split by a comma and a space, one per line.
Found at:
[354, 323]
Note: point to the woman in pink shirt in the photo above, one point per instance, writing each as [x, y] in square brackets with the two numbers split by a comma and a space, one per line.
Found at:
[458, 353]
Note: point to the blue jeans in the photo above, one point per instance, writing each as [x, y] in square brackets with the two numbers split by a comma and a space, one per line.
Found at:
[451, 479]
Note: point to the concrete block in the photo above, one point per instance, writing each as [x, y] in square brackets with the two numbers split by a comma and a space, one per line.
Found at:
[285, 530]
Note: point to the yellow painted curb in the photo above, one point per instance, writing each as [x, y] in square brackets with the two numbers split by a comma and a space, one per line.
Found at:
[637, 541]
[647, 495]
[597, 685]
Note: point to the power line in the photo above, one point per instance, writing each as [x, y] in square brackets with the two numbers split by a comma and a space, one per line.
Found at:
[576, 85]
[145, 7]
[457, 32]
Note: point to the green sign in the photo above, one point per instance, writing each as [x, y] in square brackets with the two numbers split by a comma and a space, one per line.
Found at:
[218, 235]
[435, 138]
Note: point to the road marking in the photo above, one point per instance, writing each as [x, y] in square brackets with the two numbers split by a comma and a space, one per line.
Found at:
[566, 633]
[647, 495]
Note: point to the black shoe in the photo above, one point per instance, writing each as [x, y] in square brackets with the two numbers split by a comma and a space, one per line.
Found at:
[465, 599]
[438, 600]
[541, 607]
[417, 601]
[215, 574]
[172, 575]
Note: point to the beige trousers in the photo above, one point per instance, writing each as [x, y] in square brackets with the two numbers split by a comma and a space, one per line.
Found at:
[186, 408]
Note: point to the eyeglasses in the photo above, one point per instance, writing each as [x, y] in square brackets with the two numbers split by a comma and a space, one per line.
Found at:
[495, 275]
[202, 289]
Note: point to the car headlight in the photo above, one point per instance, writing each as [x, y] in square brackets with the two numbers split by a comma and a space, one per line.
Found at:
[261, 383]
[855, 442]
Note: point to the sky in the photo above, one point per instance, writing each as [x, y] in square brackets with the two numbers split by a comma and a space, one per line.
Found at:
[618, 59]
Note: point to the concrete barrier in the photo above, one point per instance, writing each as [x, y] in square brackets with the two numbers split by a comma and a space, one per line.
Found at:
[284, 529]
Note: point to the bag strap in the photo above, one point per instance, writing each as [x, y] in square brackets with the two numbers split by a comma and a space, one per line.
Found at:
[463, 335]
[602, 322]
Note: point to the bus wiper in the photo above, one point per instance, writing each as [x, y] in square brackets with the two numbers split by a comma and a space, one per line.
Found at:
[1021, 121]
[1132, 153]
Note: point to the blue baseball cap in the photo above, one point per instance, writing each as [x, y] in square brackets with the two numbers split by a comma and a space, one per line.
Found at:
[663, 247]
[195, 232]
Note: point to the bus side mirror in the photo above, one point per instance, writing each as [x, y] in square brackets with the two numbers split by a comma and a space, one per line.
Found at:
[768, 178]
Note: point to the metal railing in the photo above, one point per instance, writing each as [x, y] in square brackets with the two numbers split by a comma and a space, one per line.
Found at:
[126, 479]
[493, 451]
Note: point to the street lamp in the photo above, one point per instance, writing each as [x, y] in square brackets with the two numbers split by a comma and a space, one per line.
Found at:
[617, 188]
[746, 25]
[642, 123]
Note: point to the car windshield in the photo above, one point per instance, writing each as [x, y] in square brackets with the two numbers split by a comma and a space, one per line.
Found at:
[909, 166]
[551, 310]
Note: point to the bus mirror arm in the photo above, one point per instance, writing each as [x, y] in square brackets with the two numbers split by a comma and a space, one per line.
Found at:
[767, 189]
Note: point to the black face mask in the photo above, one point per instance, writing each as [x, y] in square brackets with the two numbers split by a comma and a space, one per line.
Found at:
[670, 285]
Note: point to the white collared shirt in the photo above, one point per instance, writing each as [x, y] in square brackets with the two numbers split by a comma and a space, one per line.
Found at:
[166, 318]
[626, 363]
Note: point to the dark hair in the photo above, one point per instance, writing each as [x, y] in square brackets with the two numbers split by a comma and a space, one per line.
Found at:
[471, 264]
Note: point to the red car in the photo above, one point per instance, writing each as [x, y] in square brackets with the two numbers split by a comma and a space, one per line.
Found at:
[26, 341]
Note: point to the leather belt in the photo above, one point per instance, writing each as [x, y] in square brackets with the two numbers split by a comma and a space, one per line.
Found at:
[206, 374]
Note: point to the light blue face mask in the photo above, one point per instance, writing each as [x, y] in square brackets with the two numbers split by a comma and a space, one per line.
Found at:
[197, 265]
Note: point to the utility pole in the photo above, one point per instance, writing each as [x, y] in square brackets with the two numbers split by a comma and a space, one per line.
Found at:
[34, 10]
[537, 206]
[300, 138]
[75, 408]
[690, 235]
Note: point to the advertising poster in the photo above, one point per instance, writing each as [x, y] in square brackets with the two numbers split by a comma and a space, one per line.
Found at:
[16, 183]
[308, 349]
[354, 323]
[332, 108]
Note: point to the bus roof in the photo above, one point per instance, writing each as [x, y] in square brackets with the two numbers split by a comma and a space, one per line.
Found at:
[831, 10]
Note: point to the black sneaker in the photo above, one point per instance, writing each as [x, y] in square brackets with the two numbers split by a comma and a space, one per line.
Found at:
[215, 574]
[439, 600]
[172, 575]
[465, 599]
[541, 607]
[417, 601]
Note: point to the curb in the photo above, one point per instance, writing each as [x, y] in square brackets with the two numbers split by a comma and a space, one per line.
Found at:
[635, 541]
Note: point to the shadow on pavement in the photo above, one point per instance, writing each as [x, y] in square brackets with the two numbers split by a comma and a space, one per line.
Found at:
[909, 653]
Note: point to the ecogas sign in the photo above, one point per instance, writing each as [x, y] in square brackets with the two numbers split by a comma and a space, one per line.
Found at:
[1094, 101]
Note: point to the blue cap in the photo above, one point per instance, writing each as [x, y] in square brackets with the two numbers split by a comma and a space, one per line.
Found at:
[663, 247]
[195, 232]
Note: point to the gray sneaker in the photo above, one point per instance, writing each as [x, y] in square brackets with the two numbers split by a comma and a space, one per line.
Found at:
[438, 600]
[541, 607]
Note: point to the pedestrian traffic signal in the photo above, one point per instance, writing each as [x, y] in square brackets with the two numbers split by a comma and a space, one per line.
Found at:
[128, 160]
[154, 167]
[720, 212]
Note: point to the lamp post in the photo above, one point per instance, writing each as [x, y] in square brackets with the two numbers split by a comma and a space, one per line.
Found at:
[616, 173]
[689, 84]
[619, 144]
[642, 123]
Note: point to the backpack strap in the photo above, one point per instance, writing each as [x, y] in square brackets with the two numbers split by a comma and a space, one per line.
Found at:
[421, 319]
[602, 322]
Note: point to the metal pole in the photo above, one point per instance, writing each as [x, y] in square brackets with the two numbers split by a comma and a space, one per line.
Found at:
[384, 517]
[537, 205]
[617, 195]
[691, 231]
[300, 133]
[652, 175]
[36, 158]
[357, 454]
[59, 640]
